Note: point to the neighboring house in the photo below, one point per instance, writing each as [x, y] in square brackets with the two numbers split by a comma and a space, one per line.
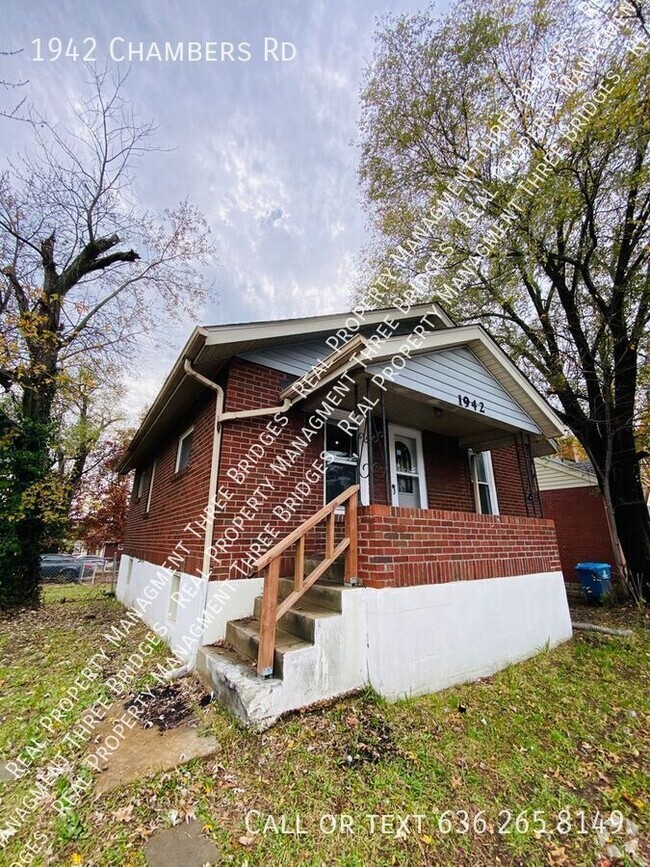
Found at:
[571, 497]
[411, 441]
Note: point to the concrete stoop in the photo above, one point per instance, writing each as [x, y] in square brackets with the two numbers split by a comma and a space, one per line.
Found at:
[319, 654]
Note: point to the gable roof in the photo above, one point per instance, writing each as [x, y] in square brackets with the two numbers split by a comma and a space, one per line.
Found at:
[468, 346]
[210, 347]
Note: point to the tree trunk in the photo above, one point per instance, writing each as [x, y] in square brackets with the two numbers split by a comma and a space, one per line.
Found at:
[33, 468]
[617, 469]
[630, 510]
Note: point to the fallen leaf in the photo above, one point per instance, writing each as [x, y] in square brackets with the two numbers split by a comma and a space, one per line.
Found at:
[247, 841]
[637, 803]
[123, 814]
[557, 857]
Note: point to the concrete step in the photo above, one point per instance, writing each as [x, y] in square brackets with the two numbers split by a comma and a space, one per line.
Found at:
[244, 636]
[334, 575]
[301, 618]
[254, 701]
[323, 594]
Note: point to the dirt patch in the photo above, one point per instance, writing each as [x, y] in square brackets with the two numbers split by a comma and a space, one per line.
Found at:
[610, 614]
[169, 705]
[371, 739]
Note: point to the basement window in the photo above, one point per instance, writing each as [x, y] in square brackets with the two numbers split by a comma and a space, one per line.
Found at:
[184, 450]
[485, 489]
[173, 597]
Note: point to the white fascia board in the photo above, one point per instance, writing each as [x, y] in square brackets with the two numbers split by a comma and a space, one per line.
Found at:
[474, 336]
[167, 390]
[224, 334]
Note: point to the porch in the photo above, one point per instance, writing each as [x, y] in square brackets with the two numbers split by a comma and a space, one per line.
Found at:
[396, 611]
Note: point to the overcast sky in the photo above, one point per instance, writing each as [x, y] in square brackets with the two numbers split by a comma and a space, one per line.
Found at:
[267, 149]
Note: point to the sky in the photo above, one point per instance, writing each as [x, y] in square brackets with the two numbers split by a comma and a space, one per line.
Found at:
[266, 148]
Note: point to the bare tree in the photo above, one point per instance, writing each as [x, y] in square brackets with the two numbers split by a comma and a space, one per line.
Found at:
[83, 271]
[16, 112]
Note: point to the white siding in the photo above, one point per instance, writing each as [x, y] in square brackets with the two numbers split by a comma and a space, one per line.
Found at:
[443, 374]
[294, 359]
[451, 372]
[553, 476]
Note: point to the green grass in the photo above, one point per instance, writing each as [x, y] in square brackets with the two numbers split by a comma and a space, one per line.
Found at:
[567, 729]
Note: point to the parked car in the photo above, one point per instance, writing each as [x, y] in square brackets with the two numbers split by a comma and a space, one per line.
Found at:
[62, 567]
[93, 559]
[91, 563]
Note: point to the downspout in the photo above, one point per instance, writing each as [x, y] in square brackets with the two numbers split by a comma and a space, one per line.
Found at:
[219, 417]
[212, 490]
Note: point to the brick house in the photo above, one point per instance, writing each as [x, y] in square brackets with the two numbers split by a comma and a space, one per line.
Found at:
[328, 502]
[570, 495]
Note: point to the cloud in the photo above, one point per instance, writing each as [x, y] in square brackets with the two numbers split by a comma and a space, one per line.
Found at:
[265, 149]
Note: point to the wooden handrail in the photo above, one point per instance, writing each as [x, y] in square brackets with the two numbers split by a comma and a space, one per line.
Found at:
[271, 610]
[307, 525]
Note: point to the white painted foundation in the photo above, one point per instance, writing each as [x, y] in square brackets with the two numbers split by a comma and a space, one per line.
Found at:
[148, 588]
[402, 641]
[423, 639]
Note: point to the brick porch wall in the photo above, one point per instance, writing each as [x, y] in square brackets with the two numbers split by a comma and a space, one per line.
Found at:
[406, 547]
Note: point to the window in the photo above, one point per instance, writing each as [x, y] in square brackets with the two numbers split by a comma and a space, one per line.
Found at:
[184, 450]
[341, 471]
[151, 478]
[485, 491]
[139, 484]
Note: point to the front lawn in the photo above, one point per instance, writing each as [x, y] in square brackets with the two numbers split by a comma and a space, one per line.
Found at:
[529, 762]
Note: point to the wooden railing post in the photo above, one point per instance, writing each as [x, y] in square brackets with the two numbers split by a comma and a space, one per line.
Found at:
[299, 564]
[268, 620]
[351, 532]
[272, 608]
[329, 535]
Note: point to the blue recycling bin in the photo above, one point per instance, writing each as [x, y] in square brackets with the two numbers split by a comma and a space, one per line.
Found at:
[595, 579]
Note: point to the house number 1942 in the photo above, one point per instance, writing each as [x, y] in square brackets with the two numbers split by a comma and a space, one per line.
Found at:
[471, 403]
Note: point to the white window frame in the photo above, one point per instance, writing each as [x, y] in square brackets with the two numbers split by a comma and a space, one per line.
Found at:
[181, 438]
[149, 493]
[411, 433]
[491, 483]
[364, 485]
[140, 487]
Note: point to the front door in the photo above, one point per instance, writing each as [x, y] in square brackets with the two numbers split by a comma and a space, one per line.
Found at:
[408, 482]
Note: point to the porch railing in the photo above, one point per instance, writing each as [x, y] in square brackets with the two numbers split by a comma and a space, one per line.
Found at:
[272, 610]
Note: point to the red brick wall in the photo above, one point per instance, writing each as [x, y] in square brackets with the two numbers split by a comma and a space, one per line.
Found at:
[446, 465]
[581, 524]
[508, 468]
[250, 386]
[180, 500]
[177, 498]
[405, 547]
